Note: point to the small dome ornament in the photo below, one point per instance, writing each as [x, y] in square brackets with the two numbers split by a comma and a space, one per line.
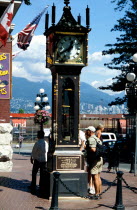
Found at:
[66, 2]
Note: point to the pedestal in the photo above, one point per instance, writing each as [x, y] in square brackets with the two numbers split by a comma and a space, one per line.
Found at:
[70, 165]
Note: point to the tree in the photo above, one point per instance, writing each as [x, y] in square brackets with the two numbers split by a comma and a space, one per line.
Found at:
[21, 111]
[124, 48]
[121, 4]
[27, 2]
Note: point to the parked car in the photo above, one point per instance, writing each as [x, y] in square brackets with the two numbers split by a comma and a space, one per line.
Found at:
[109, 143]
[109, 147]
[108, 136]
[125, 151]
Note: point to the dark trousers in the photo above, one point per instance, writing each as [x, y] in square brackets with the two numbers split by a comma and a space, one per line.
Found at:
[36, 166]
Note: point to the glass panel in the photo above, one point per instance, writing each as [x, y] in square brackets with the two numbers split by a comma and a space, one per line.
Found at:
[105, 136]
[112, 137]
[68, 110]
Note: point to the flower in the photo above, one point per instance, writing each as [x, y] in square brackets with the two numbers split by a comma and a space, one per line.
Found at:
[41, 116]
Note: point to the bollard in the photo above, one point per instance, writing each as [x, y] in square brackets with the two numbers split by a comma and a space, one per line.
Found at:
[54, 202]
[132, 166]
[119, 202]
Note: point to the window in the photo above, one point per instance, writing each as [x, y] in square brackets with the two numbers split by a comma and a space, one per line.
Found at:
[68, 109]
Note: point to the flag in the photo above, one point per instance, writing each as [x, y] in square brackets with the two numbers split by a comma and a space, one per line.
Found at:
[5, 22]
[25, 36]
[16, 53]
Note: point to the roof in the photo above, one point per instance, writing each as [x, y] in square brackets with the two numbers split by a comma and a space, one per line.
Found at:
[21, 115]
[101, 116]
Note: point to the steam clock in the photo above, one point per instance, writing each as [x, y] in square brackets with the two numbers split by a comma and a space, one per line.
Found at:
[66, 55]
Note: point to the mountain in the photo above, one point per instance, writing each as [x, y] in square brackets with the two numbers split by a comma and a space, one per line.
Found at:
[24, 93]
[90, 95]
[23, 88]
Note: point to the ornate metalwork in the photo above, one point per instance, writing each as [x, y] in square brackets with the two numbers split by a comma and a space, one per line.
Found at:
[66, 2]
[68, 23]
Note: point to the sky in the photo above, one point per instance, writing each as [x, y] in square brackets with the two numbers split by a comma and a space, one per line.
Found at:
[30, 64]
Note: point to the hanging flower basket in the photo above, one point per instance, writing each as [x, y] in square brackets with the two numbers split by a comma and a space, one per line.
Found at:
[41, 116]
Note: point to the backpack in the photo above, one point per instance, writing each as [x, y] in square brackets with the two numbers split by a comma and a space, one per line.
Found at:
[101, 150]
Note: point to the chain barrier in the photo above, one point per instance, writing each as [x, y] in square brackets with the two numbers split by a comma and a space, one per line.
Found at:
[88, 196]
[129, 187]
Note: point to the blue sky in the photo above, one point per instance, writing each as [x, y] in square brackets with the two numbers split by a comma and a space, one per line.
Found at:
[30, 64]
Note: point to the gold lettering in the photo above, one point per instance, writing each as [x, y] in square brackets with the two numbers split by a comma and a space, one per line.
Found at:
[3, 91]
[3, 57]
[3, 73]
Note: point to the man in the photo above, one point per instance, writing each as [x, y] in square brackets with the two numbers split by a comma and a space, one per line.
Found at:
[94, 164]
[39, 161]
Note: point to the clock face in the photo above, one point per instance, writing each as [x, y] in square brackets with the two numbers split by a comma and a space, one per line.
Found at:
[68, 48]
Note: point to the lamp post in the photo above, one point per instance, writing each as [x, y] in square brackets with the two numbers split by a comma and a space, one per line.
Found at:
[131, 90]
[41, 104]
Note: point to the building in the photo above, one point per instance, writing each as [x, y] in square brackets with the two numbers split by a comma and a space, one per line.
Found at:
[6, 92]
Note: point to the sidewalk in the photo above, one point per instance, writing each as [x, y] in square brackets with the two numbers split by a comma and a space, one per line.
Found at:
[14, 193]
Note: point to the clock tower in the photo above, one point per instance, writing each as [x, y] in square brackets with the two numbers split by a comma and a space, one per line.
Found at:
[66, 55]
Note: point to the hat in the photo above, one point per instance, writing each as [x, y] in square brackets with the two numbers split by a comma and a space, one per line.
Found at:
[91, 128]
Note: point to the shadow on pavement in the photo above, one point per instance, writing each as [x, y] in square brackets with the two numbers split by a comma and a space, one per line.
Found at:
[106, 182]
[23, 153]
[21, 185]
[102, 205]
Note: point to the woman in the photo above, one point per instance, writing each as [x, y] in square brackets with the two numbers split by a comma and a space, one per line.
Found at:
[99, 130]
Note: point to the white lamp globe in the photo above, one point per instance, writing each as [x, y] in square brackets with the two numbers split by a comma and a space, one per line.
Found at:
[47, 107]
[41, 90]
[45, 99]
[38, 98]
[135, 57]
[131, 77]
[36, 107]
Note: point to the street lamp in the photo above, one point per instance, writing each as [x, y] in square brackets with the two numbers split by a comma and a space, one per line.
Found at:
[131, 90]
[41, 107]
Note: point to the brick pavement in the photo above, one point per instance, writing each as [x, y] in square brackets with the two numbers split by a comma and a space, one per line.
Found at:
[14, 193]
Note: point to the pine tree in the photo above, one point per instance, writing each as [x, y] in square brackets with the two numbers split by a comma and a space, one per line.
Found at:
[27, 2]
[124, 48]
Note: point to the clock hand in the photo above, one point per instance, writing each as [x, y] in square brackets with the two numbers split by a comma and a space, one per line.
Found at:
[68, 48]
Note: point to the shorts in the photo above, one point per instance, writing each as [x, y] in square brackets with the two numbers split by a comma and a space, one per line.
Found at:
[96, 166]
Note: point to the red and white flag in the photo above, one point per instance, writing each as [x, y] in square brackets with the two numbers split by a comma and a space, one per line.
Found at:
[5, 23]
[25, 36]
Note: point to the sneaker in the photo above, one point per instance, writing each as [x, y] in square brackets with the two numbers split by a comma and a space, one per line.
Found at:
[97, 197]
[91, 191]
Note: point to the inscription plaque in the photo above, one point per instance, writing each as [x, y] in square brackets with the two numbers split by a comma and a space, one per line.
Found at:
[68, 163]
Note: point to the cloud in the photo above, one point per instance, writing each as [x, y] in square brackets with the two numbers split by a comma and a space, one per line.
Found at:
[100, 70]
[97, 56]
[97, 84]
[104, 83]
[30, 64]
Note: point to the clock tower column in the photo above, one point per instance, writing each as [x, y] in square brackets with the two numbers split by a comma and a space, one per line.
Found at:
[66, 55]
